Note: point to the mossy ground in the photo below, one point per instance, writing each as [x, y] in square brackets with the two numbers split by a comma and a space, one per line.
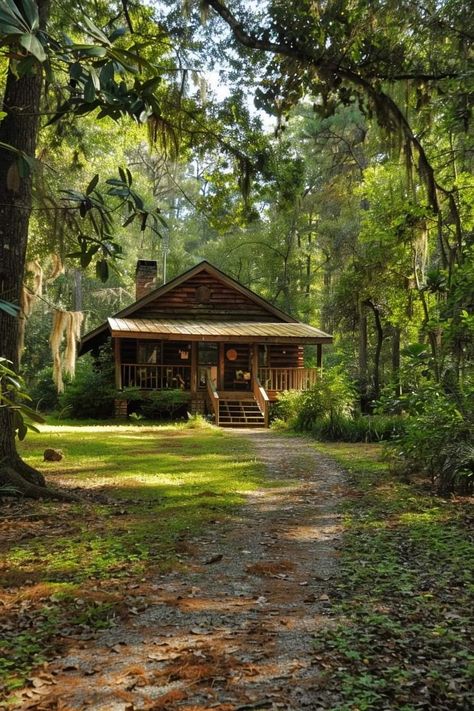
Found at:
[403, 603]
[69, 569]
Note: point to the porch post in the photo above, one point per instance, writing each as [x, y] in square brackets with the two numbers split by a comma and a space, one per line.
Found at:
[194, 363]
[254, 360]
[319, 356]
[118, 364]
[220, 371]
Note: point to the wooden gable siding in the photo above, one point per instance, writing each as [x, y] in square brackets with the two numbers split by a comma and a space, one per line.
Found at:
[224, 304]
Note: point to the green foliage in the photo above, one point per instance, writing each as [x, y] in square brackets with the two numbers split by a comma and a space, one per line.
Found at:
[157, 404]
[92, 392]
[165, 403]
[43, 390]
[437, 441]
[400, 609]
[367, 428]
[332, 397]
[13, 397]
[286, 408]
[95, 204]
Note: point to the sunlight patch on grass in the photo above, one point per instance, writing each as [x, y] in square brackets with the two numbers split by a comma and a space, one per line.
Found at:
[160, 483]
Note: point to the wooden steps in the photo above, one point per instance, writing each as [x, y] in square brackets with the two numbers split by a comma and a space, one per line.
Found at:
[239, 411]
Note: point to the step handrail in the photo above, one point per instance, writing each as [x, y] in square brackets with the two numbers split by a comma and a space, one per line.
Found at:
[262, 399]
[213, 396]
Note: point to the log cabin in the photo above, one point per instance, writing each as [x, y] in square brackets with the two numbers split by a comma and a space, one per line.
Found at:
[206, 333]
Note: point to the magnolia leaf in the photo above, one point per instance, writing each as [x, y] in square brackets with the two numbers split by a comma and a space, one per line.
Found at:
[95, 78]
[102, 270]
[89, 50]
[94, 31]
[32, 45]
[93, 184]
[30, 10]
[10, 309]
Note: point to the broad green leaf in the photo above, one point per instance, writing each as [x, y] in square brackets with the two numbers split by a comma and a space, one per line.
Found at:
[94, 31]
[89, 91]
[102, 270]
[93, 184]
[10, 309]
[89, 50]
[30, 9]
[32, 45]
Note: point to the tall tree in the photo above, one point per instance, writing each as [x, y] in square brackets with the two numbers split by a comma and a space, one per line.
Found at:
[94, 78]
[365, 52]
[18, 138]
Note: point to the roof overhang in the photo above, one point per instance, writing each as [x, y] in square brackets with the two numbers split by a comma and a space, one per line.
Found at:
[97, 336]
[217, 331]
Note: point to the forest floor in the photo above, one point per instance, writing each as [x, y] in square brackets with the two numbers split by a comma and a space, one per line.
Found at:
[233, 570]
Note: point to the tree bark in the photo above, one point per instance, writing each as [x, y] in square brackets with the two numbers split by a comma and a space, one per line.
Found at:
[396, 361]
[378, 347]
[363, 357]
[19, 129]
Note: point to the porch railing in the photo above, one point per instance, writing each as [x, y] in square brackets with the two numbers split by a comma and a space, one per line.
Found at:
[288, 378]
[156, 377]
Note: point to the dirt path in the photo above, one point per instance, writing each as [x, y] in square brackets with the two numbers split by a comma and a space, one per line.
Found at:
[233, 629]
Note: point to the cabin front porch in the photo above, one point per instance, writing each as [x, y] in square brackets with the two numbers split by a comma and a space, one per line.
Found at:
[234, 382]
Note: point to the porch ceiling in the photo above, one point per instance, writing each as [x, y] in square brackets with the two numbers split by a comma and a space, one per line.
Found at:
[217, 331]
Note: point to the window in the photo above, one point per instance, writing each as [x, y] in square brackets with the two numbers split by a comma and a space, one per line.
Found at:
[262, 357]
[149, 352]
[208, 353]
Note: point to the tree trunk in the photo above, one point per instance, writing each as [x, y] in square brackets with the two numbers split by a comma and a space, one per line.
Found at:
[396, 361]
[19, 129]
[363, 358]
[378, 347]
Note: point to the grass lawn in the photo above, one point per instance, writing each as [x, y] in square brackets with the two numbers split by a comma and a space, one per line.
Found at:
[69, 569]
[403, 606]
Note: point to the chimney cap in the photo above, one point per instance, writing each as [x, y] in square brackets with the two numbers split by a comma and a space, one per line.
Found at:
[146, 263]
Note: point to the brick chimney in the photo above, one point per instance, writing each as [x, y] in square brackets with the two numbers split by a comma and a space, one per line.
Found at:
[145, 277]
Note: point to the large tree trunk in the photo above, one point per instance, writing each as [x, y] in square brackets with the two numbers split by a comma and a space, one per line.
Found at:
[378, 347]
[363, 359]
[396, 361]
[19, 129]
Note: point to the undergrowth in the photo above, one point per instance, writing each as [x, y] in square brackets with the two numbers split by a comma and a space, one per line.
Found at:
[402, 606]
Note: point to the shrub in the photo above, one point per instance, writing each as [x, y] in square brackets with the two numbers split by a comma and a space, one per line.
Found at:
[43, 391]
[157, 404]
[286, 408]
[198, 422]
[92, 392]
[437, 440]
[332, 397]
[165, 403]
[367, 428]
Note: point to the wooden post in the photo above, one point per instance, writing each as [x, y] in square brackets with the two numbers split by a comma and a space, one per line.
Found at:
[319, 356]
[194, 366]
[220, 372]
[118, 364]
[254, 367]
